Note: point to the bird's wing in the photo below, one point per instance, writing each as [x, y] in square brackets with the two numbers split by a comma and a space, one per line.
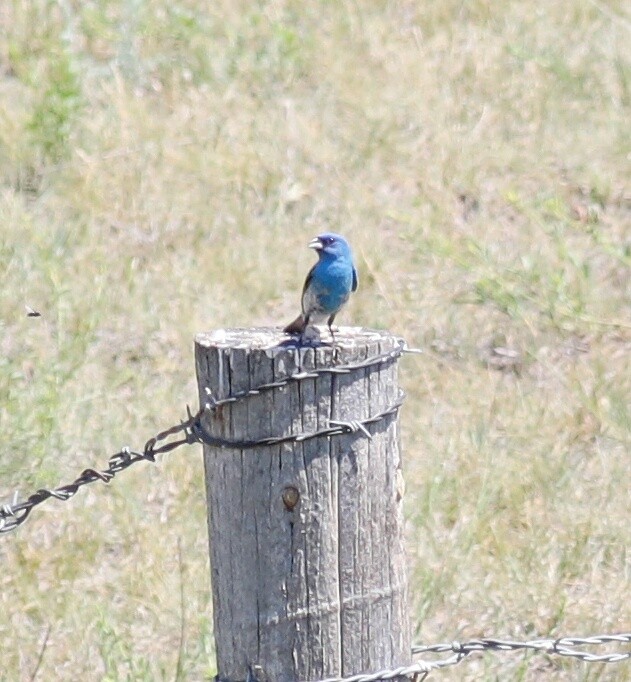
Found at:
[355, 280]
[306, 285]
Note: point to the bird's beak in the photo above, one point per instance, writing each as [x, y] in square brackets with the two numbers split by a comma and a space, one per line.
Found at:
[315, 244]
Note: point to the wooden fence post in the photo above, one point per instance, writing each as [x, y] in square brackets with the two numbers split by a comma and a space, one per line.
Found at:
[306, 538]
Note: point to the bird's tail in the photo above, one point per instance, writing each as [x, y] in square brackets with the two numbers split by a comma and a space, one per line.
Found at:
[297, 326]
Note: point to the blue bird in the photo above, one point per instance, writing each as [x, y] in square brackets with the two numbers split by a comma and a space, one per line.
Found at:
[328, 285]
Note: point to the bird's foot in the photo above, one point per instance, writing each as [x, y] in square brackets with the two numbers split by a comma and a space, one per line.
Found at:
[332, 331]
[310, 336]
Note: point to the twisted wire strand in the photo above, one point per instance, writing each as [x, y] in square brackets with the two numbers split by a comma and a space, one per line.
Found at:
[14, 515]
[563, 646]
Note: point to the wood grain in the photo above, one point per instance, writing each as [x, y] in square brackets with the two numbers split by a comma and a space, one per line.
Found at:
[306, 545]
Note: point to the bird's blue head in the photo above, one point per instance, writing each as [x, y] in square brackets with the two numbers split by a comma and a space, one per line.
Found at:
[331, 245]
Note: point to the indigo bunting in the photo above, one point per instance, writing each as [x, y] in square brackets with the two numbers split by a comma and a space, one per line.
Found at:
[328, 285]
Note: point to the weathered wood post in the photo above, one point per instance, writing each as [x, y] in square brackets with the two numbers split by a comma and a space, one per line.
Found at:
[306, 537]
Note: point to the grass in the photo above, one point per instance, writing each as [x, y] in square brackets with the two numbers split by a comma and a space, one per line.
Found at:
[156, 157]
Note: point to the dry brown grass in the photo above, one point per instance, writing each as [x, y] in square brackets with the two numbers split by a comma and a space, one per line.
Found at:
[159, 164]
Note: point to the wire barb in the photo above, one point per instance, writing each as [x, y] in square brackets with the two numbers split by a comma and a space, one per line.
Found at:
[353, 426]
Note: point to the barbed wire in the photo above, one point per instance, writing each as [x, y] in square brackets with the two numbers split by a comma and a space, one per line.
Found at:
[563, 646]
[15, 514]
[337, 428]
[415, 671]
[371, 361]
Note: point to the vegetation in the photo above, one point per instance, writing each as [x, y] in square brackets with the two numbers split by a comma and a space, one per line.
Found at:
[162, 167]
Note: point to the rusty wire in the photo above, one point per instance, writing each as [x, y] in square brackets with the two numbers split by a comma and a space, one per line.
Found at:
[337, 428]
[15, 514]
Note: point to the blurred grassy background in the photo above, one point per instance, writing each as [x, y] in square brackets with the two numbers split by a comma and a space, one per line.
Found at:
[162, 167]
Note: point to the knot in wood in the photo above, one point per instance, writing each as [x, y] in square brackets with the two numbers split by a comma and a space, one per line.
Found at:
[291, 496]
